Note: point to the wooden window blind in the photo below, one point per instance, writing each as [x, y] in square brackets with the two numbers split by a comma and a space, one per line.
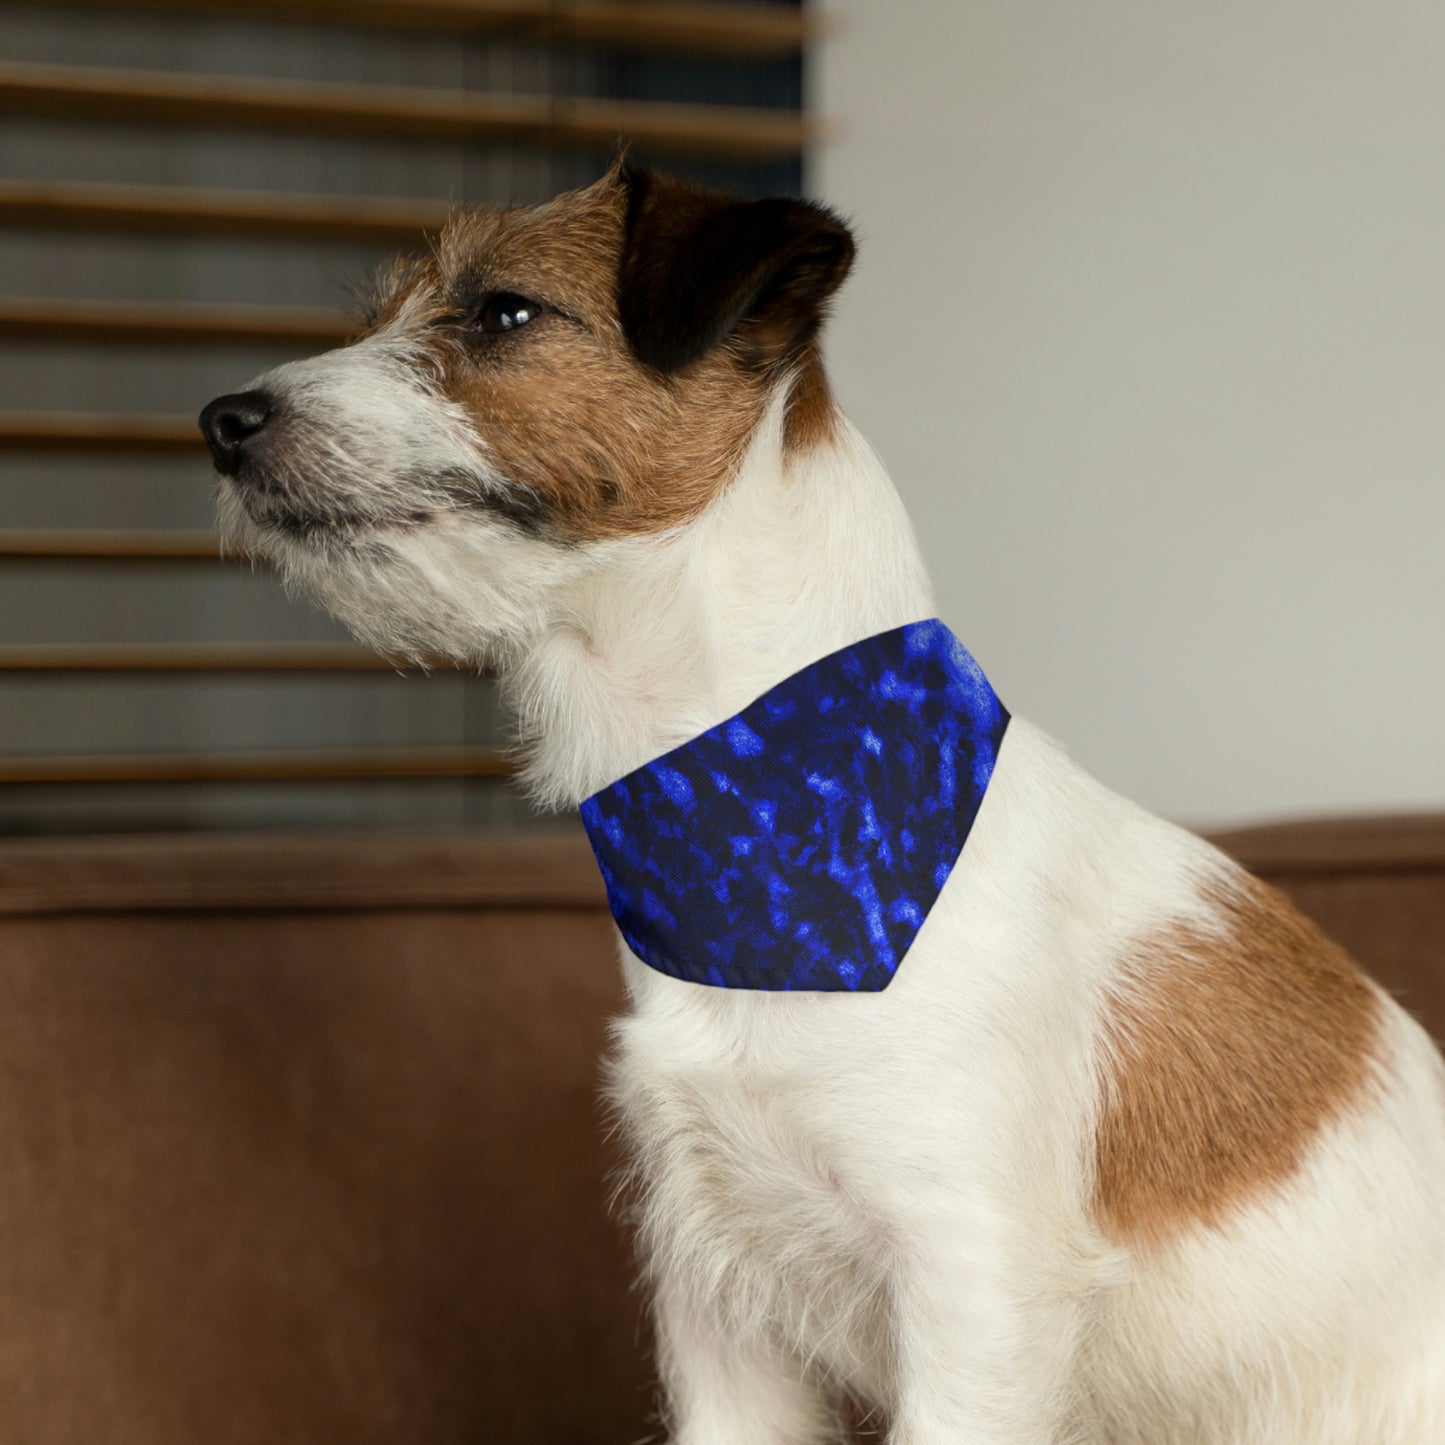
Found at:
[187, 189]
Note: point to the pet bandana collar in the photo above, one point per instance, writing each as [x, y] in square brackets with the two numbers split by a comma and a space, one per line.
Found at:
[801, 843]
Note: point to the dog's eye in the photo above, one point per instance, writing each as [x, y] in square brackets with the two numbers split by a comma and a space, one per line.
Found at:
[505, 311]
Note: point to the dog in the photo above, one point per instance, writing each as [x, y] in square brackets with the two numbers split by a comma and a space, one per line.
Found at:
[1126, 1152]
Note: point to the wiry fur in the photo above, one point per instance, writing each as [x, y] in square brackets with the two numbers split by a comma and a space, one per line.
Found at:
[896, 1196]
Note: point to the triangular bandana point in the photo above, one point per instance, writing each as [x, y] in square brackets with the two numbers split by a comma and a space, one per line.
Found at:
[800, 844]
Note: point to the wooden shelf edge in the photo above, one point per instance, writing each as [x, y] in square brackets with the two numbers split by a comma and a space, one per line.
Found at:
[311, 871]
[170, 323]
[713, 29]
[111, 546]
[356, 765]
[70, 659]
[96, 431]
[327, 107]
[267, 215]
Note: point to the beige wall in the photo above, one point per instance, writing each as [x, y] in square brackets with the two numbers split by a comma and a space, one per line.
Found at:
[1149, 324]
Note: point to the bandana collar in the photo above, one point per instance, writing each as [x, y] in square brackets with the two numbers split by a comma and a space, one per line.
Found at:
[800, 844]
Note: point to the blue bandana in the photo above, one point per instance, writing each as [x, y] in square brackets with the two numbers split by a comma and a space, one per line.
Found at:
[801, 843]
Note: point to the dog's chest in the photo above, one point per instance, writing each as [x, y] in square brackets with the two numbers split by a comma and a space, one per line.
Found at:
[747, 1185]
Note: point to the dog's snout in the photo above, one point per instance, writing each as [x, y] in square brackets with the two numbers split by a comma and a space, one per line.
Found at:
[229, 422]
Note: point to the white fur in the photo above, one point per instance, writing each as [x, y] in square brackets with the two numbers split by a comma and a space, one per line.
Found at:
[890, 1194]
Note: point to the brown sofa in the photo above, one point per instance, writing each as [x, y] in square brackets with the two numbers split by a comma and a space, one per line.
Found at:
[299, 1141]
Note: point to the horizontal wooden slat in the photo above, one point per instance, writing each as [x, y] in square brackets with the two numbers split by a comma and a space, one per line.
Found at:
[1358, 844]
[705, 29]
[94, 431]
[310, 872]
[108, 546]
[171, 324]
[150, 210]
[178, 657]
[264, 767]
[215, 101]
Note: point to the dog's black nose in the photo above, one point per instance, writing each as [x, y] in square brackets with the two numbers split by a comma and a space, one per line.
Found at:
[229, 422]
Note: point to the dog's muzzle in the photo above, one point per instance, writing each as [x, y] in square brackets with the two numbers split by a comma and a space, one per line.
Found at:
[231, 424]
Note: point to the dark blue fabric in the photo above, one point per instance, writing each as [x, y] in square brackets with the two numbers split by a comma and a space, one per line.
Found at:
[801, 843]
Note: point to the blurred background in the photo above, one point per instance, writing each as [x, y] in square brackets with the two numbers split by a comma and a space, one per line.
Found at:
[189, 193]
[1149, 324]
[301, 1006]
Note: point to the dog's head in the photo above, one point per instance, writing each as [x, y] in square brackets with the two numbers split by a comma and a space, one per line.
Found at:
[547, 383]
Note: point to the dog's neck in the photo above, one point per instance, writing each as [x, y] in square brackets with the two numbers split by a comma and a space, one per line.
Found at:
[804, 553]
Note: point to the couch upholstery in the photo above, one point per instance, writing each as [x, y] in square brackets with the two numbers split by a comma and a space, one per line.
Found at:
[299, 1140]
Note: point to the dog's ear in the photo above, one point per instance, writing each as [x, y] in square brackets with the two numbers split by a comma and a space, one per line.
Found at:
[699, 266]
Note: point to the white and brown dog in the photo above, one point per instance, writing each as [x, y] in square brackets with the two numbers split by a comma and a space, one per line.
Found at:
[1128, 1152]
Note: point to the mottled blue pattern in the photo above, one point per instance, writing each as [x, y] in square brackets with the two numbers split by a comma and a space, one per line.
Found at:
[801, 843]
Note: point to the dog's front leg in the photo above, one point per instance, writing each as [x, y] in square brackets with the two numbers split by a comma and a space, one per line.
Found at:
[986, 1346]
[720, 1389]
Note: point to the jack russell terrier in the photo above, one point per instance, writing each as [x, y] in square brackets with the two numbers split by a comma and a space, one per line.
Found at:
[955, 1085]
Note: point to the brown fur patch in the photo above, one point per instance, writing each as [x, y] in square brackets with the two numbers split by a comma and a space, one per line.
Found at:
[595, 443]
[1228, 1051]
[812, 413]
